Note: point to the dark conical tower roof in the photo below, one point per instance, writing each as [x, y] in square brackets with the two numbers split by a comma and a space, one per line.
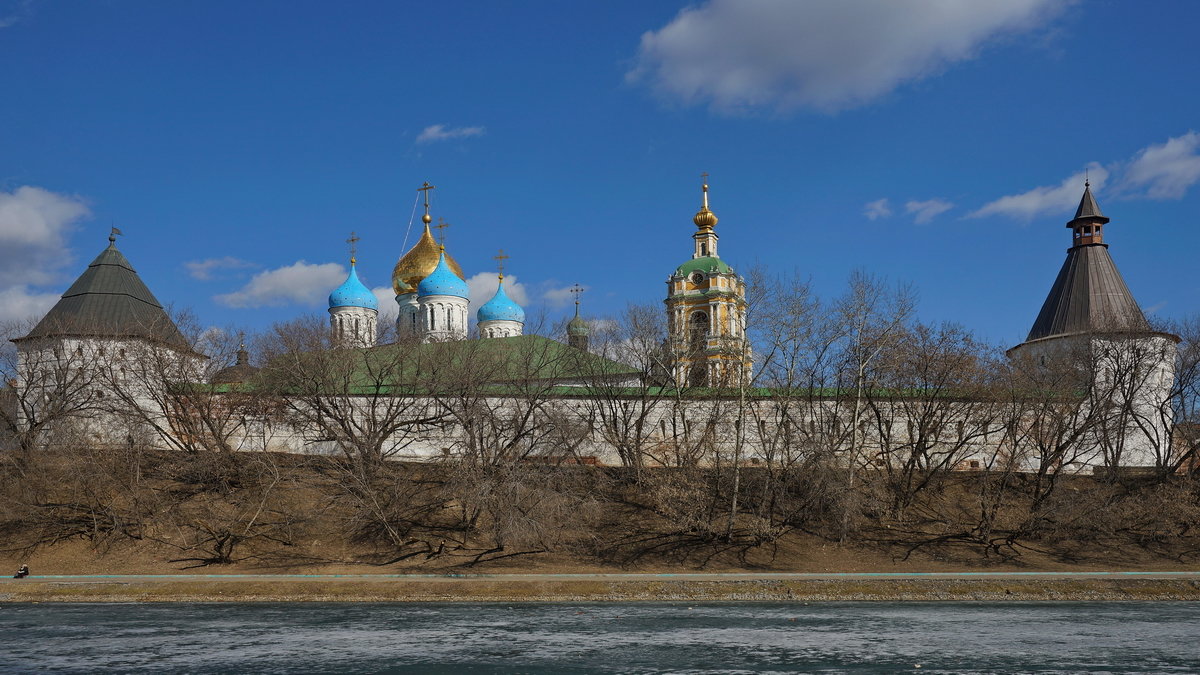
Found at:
[1089, 294]
[1088, 208]
[109, 300]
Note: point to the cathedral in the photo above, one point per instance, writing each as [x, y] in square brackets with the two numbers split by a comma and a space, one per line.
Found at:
[110, 316]
[705, 306]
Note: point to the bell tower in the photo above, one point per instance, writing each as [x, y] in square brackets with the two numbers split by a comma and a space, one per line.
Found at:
[706, 313]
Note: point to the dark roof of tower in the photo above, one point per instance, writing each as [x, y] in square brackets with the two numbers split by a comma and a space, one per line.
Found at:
[238, 373]
[109, 300]
[1089, 295]
[1088, 208]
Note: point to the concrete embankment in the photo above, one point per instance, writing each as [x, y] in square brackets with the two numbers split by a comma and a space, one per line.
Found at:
[605, 588]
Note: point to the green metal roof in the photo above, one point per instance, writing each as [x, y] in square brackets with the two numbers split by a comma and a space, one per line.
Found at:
[705, 264]
[109, 300]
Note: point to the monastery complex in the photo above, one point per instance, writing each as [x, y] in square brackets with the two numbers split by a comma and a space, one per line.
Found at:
[700, 399]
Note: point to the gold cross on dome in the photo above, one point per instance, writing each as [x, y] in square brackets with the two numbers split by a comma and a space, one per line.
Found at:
[441, 228]
[577, 290]
[353, 241]
[500, 261]
[424, 189]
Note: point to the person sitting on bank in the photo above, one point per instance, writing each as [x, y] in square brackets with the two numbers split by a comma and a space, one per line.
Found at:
[22, 572]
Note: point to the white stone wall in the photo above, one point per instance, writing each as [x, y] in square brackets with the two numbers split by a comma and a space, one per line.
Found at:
[499, 328]
[353, 326]
[443, 317]
[408, 320]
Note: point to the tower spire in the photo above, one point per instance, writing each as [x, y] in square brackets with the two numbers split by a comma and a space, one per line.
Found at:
[424, 189]
[500, 258]
[705, 220]
[441, 228]
[1087, 227]
[577, 291]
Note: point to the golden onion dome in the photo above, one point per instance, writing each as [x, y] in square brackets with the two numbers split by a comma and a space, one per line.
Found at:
[418, 263]
[705, 218]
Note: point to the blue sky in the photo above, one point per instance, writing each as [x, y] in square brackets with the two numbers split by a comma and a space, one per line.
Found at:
[940, 143]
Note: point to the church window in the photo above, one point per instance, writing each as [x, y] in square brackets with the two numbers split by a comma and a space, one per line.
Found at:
[432, 318]
[703, 249]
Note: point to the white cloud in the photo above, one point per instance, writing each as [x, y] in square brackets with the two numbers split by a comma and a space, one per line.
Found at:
[877, 209]
[823, 54]
[1058, 199]
[301, 283]
[34, 224]
[204, 269]
[388, 309]
[18, 303]
[483, 287]
[440, 132]
[1165, 171]
[925, 211]
[20, 11]
[560, 297]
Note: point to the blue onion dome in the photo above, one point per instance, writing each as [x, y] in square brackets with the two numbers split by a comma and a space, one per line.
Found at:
[501, 307]
[353, 293]
[442, 281]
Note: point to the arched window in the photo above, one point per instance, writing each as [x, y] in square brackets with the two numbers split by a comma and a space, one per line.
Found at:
[698, 330]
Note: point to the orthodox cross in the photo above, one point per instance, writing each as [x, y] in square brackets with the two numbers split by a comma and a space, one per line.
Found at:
[425, 188]
[441, 228]
[500, 262]
[353, 241]
[577, 290]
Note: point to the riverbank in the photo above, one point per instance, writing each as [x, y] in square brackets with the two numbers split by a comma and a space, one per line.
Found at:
[1122, 586]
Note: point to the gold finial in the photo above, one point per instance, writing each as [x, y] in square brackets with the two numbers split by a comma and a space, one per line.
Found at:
[441, 228]
[425, 188]
[577, 291]
[500, 258]
[353, 241]
[704, 219]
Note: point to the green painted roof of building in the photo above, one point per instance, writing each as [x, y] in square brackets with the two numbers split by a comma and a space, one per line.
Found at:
[444, 366]
[109, 300]
[705, 264]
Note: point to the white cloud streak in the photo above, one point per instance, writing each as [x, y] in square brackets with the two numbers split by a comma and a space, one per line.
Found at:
[19, 303]
[827, 55]
[205, 270]
[880, 208]
[483, 286]
[924, 212]
[560, 297]
[300, 283]
[1165, 171]
[1058, 199]
[388, 309]
[34, 224]
[441, 132]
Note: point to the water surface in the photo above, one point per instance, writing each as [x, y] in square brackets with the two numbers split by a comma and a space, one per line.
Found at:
[602, 638]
